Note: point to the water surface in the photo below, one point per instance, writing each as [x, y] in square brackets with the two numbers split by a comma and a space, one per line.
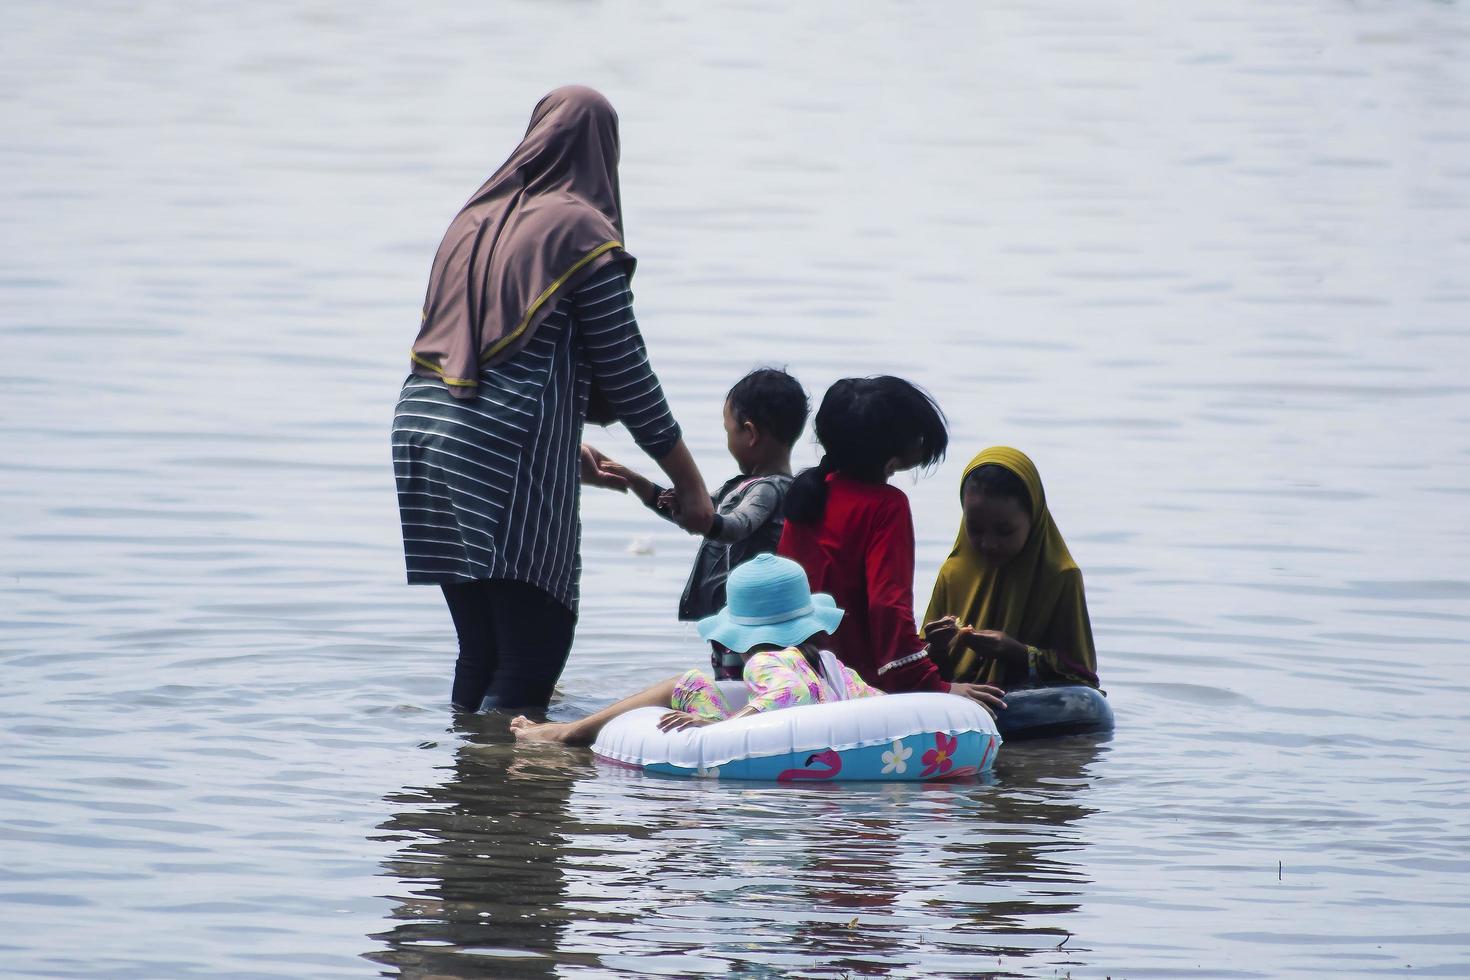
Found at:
[1204, 262]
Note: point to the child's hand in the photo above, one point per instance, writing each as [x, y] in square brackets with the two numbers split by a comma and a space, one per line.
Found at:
[677, 721]
[994, 643]
[639, 484]
[665, 502]
[989, 698]
[940, 634]
[596, 470]
[613, 466]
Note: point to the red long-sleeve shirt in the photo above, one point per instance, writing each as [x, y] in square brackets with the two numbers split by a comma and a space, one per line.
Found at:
[862, 554]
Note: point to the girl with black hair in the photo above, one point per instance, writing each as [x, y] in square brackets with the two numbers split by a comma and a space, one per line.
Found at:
[853, 533]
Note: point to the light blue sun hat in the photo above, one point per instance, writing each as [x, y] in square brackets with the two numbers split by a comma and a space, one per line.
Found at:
[768, 600]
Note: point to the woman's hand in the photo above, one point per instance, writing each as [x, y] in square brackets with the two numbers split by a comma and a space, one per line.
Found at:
[597, 471]
[677, 721]
[989, 698]
[693, 510]
[994, 643]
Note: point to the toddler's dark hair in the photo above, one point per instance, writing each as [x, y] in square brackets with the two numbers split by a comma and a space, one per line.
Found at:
[773, 400]
[862, 424]
[995, 480]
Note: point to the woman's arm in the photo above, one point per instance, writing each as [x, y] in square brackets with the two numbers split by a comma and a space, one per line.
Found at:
[619, 362]
[693, 509]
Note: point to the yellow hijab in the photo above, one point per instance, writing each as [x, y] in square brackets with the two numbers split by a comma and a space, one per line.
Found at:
[1035, 597]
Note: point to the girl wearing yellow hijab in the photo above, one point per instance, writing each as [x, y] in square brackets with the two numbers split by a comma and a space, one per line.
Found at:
[1008, 604]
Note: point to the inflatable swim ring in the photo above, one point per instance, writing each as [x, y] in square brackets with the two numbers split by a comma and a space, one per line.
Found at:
[1043, 712]
[897, 737]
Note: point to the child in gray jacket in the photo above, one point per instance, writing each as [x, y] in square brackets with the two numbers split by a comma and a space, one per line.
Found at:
[765, 413]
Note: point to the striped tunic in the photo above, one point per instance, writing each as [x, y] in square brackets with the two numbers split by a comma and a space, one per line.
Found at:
[488, 488]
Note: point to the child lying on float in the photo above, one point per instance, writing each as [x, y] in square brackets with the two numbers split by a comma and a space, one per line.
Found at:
[774, 621]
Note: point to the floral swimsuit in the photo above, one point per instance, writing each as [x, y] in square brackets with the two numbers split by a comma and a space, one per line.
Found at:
[776, 679]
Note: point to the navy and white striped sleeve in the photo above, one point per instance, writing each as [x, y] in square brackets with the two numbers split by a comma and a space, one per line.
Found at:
[603, 308]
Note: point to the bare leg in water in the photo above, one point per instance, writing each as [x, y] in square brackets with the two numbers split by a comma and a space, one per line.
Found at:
[584, 731]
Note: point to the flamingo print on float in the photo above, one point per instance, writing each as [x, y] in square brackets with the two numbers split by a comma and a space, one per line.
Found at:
[826, 757]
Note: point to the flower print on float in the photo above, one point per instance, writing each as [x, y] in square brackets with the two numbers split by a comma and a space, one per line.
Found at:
[938, 761]
[895, 760]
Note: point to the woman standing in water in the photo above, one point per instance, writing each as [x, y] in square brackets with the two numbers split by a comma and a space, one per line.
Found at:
[527, 331]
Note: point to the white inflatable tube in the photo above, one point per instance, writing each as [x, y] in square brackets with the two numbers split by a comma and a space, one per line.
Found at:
[897, 737]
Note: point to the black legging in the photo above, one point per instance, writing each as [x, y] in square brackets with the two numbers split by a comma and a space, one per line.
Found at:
[513, 643]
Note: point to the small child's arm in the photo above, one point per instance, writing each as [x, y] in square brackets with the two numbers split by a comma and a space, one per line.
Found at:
[753, 511]
[644, 489]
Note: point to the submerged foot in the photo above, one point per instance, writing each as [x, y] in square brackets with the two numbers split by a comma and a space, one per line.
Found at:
[544, 731]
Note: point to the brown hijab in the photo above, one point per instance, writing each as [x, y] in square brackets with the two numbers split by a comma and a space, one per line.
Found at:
[549, 217]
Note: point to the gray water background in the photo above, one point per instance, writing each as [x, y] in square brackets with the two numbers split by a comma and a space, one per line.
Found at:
[1205, 262]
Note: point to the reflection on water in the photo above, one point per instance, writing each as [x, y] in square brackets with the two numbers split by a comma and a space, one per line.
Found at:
[479, 867]
[1205, 262]
[530, 861]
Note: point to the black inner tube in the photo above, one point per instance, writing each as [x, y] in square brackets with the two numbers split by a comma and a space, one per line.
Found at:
[1048, 712]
